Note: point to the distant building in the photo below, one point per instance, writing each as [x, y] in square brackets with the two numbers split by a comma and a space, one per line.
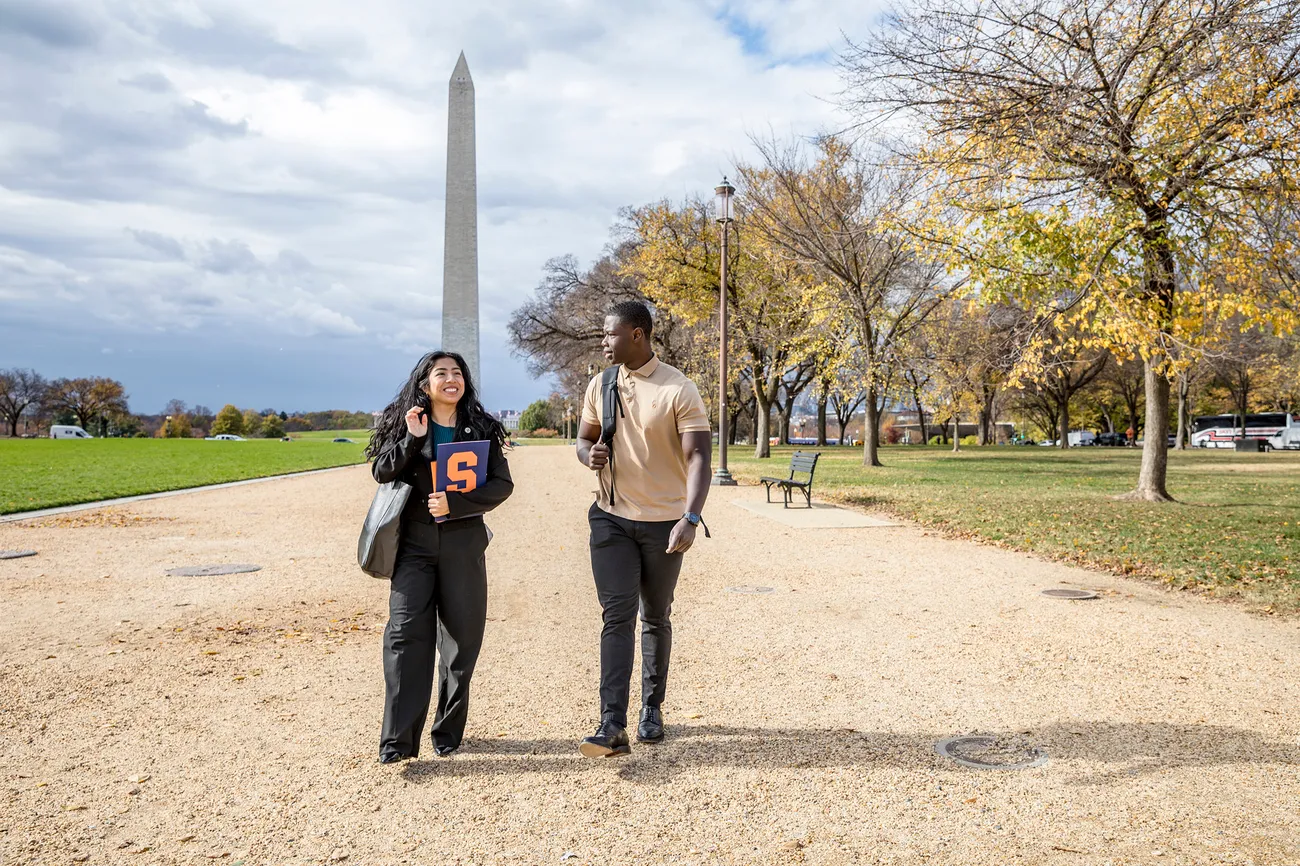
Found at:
[509, 419]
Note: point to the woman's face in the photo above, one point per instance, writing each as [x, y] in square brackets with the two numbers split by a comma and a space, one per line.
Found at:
[446, 382]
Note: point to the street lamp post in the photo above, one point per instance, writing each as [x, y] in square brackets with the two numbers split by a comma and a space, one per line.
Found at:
[722, 478]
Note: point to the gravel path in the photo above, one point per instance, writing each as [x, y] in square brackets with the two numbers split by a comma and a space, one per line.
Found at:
[153, 719]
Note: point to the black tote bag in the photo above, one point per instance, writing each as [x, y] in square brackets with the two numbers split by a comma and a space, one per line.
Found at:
[377, 546]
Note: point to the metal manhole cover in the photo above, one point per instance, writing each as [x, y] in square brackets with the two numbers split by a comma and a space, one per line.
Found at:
[16, 554]
[1071, 594]
[212, 570]
[992, 752]
[747, 589]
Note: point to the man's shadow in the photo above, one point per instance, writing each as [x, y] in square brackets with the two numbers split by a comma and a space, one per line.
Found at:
[1122, 749]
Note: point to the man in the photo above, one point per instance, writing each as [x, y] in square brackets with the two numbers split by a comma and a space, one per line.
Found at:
[654, 477]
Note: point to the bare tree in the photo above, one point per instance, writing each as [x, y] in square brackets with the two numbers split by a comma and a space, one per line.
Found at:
[19, 390]
[92, 400]
[836, 213]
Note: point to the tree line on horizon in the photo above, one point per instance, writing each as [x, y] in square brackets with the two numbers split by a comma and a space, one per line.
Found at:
[1040, 207]
[98, 404]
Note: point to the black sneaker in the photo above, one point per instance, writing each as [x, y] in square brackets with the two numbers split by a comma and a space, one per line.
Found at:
[609, 740]
[651, 729]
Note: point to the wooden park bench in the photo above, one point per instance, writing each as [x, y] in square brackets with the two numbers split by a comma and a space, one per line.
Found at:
[801, 463]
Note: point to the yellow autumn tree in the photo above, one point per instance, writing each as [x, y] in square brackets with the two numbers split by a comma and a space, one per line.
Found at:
[1099, 154]
[774, 305]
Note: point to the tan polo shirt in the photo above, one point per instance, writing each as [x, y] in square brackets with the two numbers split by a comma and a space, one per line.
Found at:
[660, 404]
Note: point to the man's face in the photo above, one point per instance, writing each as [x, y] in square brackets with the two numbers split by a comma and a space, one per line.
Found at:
[620, 340]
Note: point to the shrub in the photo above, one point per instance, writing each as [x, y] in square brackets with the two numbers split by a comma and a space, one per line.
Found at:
[545, 433]
[537, 415]
[229, 420]
[893, 435]
[272, 427]
[970, 440]
[936, 440]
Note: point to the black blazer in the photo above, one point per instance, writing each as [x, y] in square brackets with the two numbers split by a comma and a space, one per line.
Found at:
[395, 463]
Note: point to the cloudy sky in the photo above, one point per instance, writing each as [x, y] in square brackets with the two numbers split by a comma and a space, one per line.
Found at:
[242, 200]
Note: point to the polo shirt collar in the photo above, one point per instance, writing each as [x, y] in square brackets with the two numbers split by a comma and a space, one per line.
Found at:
[646, 370]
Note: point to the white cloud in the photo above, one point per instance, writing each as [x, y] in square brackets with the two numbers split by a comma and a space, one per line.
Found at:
[215, 166]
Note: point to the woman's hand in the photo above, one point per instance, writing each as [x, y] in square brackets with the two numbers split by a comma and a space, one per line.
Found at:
[417, 423]
[438, 505]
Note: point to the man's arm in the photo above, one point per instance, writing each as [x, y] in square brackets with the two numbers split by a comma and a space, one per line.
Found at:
[591, 451]
[697, 445]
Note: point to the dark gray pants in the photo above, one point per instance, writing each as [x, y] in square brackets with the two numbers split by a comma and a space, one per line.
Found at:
[439, 587]
[633, 569]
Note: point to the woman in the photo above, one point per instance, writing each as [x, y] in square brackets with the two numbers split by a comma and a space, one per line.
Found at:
[440, 579]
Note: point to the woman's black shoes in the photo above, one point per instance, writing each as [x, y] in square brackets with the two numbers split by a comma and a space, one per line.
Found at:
[651, 729]
[444, 750]
[609, 740]
[393, 758]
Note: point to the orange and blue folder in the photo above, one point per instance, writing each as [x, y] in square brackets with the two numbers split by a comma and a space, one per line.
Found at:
[461, 467]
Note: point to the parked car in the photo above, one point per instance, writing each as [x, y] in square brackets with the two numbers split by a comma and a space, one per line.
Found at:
[1111, 439]
[68, 431]
[226, 437]
[1082, 438]
[342, 439]
[1048, 443]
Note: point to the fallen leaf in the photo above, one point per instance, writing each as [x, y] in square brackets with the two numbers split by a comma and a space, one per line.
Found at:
[189, 838]
[211, 652]
[972, 800]
[80, 858]
[138, 778]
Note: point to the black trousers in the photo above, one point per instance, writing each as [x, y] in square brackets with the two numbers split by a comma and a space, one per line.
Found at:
[438, 600]
[632, 567]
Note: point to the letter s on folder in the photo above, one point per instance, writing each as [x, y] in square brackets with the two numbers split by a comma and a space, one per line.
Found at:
[461, 476]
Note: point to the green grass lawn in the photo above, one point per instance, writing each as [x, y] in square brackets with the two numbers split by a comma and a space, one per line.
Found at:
[42, 473]
[1235, 530]
[362, 436]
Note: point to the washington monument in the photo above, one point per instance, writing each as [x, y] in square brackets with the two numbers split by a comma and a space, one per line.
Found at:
[460, 246]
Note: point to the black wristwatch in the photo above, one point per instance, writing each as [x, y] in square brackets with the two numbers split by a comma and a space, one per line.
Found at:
[696, 520]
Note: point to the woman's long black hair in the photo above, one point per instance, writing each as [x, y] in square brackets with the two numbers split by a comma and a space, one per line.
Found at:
[469, 411]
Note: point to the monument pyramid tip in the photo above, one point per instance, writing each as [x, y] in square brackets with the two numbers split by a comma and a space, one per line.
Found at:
[462, 66]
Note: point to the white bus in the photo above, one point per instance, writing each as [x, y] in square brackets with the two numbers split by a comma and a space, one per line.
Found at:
[1279, 429]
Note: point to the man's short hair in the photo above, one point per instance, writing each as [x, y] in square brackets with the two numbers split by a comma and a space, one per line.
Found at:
[634, 314]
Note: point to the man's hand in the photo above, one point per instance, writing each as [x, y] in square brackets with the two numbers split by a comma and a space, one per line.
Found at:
[598, 457]
[682, 537]
[438, 505]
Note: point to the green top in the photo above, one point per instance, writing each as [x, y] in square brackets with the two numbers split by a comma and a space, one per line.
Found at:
[443, 435]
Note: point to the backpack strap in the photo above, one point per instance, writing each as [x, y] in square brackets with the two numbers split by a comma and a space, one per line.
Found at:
[611, 408]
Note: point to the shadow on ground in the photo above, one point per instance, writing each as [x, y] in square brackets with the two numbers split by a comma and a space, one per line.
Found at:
[1124, 750]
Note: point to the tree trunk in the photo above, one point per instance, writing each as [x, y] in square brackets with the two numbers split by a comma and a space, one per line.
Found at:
[1180, 440]
[1155, 448]
[871, 431]
[956, 432]
[1064, 425]
[762, 430]
[920, 417]
[822, 399]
